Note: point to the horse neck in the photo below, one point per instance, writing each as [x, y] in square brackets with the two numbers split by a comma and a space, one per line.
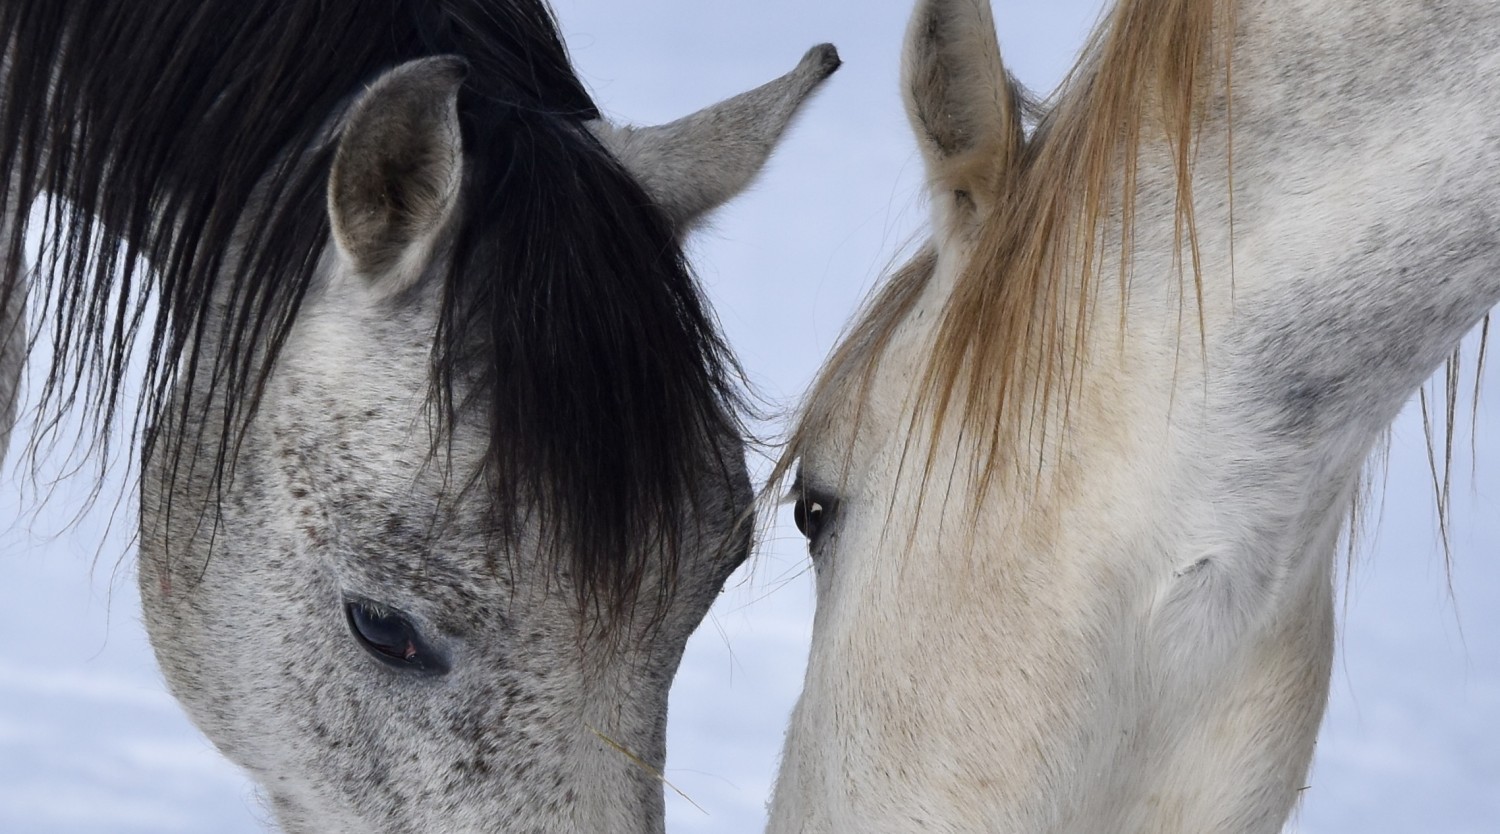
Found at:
[1363, 250]
[1362, 244]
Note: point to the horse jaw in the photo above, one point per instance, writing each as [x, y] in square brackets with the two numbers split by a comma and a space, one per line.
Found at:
[694, 165]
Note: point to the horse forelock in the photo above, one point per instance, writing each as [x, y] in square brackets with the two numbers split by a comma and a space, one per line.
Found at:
[612, 401]
[568, 303]
[1009, 339]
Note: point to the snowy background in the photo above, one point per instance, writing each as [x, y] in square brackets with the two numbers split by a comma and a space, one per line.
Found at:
[90, 742]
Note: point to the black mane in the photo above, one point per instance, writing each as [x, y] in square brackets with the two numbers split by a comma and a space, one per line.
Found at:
[160, 121]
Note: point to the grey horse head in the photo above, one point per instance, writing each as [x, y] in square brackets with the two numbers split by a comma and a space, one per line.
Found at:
[442, 450]
[353, 616]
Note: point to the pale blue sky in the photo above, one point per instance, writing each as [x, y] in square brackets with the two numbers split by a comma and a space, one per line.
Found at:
[89, 742]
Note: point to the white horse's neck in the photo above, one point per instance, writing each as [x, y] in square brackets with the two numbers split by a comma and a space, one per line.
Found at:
[1364, 247]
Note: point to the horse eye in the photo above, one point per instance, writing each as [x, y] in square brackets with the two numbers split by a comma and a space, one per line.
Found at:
[391, 638]
[808, 514]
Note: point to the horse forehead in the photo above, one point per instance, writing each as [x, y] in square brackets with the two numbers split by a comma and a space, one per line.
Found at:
[347, 323]
[884, 407]
[357, 366]
[349, 411]
[390, 524]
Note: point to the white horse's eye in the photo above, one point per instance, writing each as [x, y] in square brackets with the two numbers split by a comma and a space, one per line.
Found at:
[808, 515]
[390, 637]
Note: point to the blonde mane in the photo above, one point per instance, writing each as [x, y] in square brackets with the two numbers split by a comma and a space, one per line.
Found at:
[1015, 327]
[1010, 343]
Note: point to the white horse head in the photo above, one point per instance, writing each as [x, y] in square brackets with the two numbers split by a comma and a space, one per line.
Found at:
[444, 462]
[1073, 484]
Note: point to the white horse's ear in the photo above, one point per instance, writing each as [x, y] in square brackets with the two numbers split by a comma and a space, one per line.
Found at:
[396, 173]
[963, 105]
[694, 165]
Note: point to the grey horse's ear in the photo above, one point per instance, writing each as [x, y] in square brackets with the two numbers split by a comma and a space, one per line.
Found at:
[694, 165]
[396, 173]
[963, 105]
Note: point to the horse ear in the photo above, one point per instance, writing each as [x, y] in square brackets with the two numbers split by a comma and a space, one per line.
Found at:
[963, 105]
[694, 165]
[396, 173]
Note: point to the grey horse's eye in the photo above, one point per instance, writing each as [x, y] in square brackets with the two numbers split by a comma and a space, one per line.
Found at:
[390, 637]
